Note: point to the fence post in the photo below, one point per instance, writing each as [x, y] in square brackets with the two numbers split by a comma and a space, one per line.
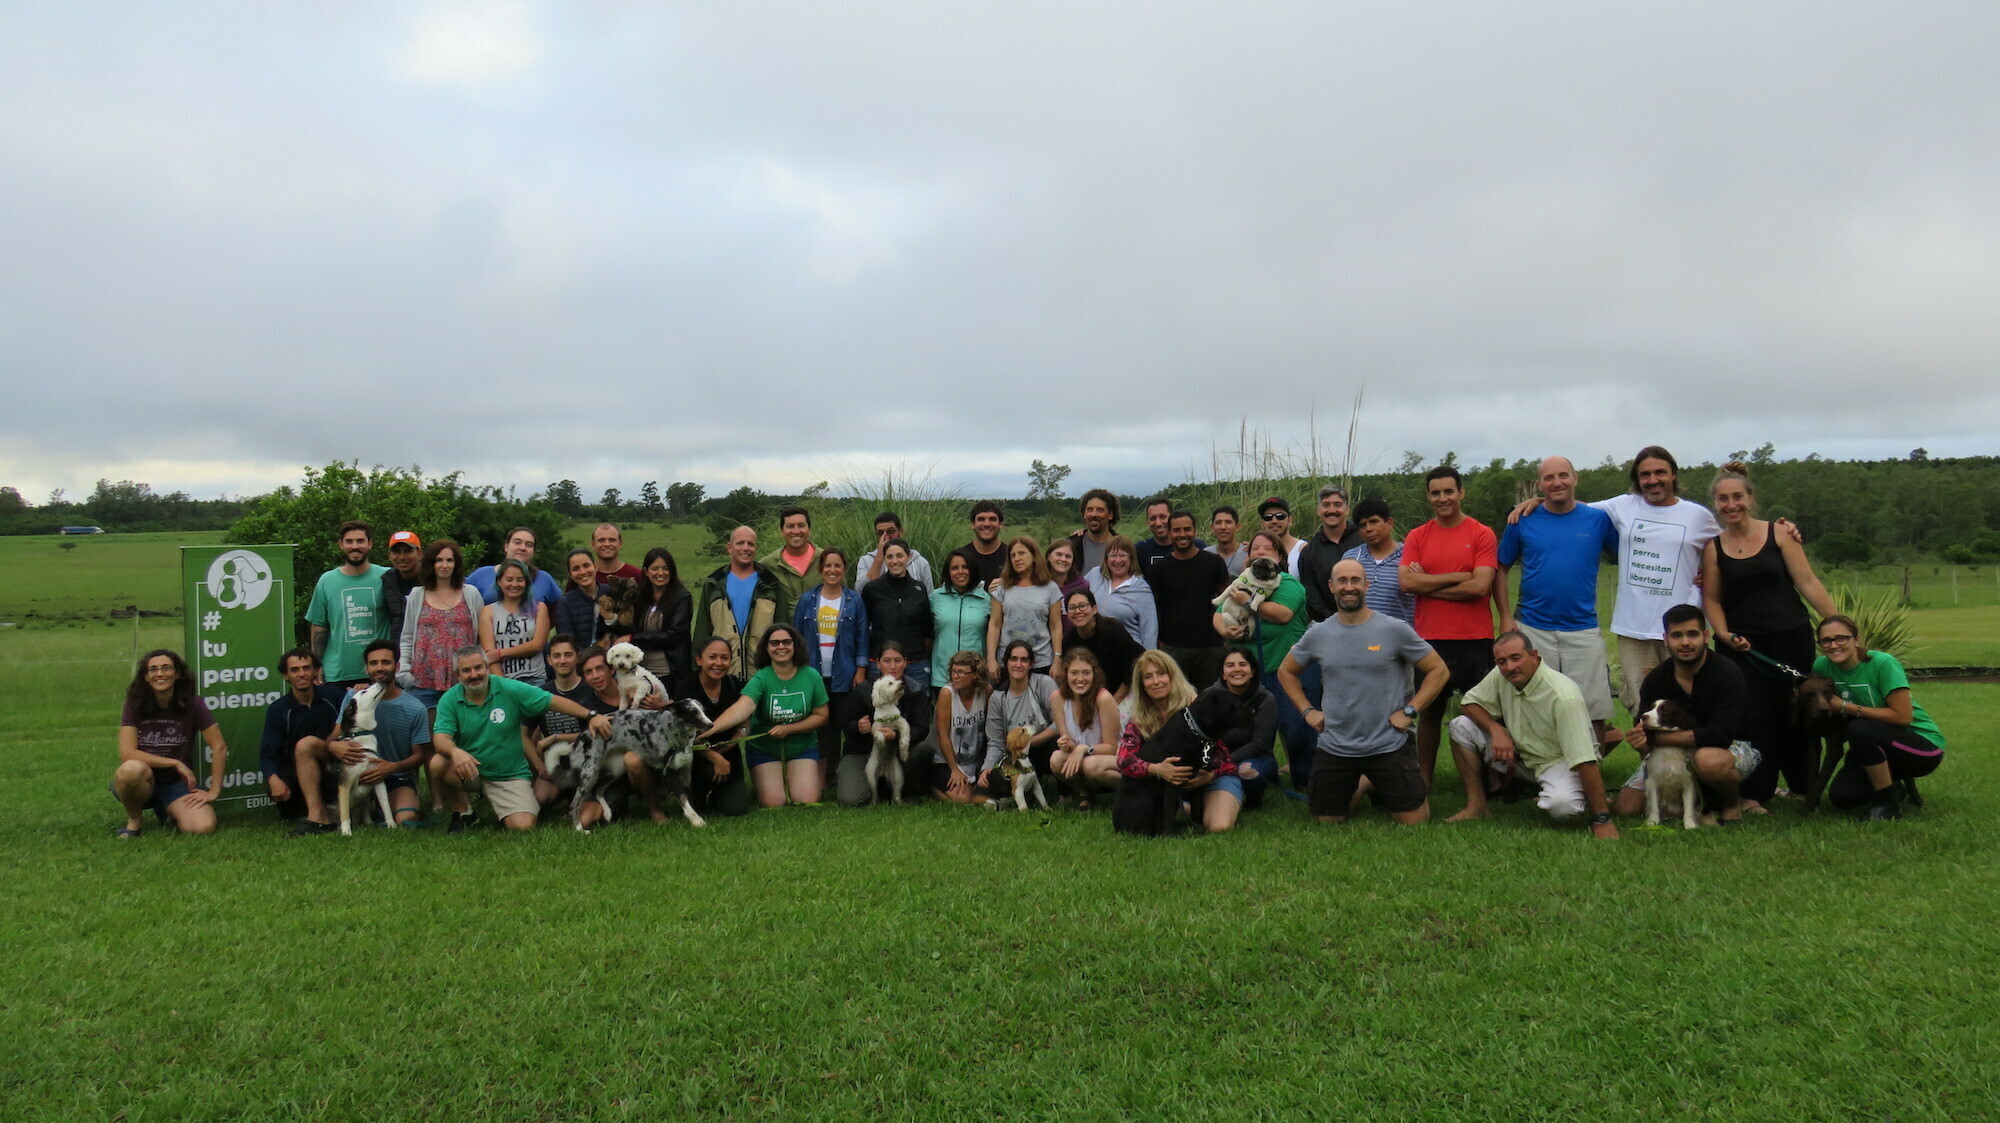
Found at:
[1954, 586]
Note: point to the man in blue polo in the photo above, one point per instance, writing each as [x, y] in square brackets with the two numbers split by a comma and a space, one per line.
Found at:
[1559, 546]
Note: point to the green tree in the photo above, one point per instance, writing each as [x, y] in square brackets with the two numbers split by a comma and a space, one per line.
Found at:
[609, 504]
[649, 499]
[11, 501]
[1045, 481]
[566, 498]
[683, 498]
[390, 499]
[1844, 549]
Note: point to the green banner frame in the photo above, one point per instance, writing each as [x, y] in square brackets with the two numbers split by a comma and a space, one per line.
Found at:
[237, 611]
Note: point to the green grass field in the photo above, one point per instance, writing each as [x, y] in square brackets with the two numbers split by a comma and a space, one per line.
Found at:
[933, 962]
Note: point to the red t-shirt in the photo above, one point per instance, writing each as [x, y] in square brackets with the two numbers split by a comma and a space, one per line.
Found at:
[1461, 549]
[626, 570]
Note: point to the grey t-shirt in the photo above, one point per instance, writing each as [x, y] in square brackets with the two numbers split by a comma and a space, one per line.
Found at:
[1235, 561]
[1026, 617]
[1365, 675]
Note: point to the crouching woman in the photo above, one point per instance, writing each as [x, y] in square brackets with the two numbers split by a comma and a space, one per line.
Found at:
[1891, 741]
[156, 737]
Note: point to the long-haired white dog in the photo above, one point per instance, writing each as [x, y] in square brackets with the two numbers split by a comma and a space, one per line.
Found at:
[887, 696]
[1668, 779]
[635, 685]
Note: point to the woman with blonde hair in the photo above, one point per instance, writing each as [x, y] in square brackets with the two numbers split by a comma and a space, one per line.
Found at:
[1160, 692]
[1123, 595]
[1756, 584]
[1086, 723]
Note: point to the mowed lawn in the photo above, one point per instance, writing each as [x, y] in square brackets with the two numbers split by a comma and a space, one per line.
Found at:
[930, 962]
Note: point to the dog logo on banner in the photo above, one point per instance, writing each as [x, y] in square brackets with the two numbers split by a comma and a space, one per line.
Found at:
[239, 579]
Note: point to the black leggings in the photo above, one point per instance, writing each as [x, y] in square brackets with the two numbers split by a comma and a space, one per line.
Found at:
[1908, 753]
[1768, 708]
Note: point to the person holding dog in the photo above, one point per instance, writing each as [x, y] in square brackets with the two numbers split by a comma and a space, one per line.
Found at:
[1528, 713]
[785, 703]
[1891, 741]
[1281, 620]
[1022, 699]
[162, 720]
[402, 741]
[1164, 691]
[1366, 710]
[1756, 583]
[577, 615]
[662, 610]
[1711, 687]
[851, 778]
[479, 745]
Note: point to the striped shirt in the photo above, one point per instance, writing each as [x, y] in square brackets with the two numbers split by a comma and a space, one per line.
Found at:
[1385, 585]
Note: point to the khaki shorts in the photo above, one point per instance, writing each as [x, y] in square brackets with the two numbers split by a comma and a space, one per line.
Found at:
[1636, 659]
[507, 797]
[1580, 658]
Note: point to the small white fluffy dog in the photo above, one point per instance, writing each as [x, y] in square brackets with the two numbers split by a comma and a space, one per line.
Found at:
[1261, 578]
[359, 721]
[884, 757]
[1668, 778]
[635, 683]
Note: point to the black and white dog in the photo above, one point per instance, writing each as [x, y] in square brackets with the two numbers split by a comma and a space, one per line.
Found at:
[359, 721]
[1668, 777]
[1190, 735]
[664, 740]
[1260, 578]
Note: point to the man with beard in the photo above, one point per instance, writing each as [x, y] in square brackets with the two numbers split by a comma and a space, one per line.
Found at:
[986, 552]
[406, 562]
[402, 740]
[1366, 708]
[346, 607]
[1331, 542]
[1186, 581]
[304, 715]
[1099, 509]
[1713, 690]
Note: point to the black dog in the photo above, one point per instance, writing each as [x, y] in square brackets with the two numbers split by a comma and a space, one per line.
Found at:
[1825, 733]
[1151, 806]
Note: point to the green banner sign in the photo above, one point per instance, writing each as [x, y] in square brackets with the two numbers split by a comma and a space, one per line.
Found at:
[238, 608]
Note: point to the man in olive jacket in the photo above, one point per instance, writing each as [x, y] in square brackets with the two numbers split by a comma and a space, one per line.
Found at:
[737, 602]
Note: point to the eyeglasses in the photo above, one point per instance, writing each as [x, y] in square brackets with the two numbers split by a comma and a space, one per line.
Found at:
[1275, 516]
[1080, 606]
[778, 643]
[1835, 641]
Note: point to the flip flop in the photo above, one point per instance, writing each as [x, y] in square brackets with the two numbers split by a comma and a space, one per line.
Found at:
[127, 832]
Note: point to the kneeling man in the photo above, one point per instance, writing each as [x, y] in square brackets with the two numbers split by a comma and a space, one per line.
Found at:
[1526, 712]
[402, 735]
[480, 743]
[1713, 690]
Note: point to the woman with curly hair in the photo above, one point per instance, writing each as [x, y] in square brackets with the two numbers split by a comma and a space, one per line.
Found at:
[163, 719]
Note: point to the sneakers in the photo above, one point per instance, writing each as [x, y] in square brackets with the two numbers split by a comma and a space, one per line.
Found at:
[305, 827]
[1888, 805]
[1910, 795]
[459, 823]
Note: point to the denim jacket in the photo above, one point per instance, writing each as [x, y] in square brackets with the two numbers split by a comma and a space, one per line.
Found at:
[850, 638]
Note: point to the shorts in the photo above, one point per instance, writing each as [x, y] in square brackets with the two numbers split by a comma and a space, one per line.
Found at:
[396, 780]
[165, 792]
[1580, 658]
[1746, 755]
[1399, 783]
[1232, 783]
[1468, 660]
[1561, 792]
[757, 758]
[508, 797]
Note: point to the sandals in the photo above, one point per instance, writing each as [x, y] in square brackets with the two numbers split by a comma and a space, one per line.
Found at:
[126, 832]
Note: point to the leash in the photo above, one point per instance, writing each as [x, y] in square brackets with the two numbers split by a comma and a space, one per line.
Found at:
[1791, 673]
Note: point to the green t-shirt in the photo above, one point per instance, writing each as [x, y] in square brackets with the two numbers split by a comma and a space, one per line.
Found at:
[491, 731]
[1272, 641]
[1872, 681]
[350, 609]
[781, 702]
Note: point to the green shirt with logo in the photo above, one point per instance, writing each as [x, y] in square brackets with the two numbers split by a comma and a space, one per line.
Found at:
[491, 730]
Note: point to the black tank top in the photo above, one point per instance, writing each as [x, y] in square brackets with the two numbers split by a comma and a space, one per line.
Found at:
[1757, 591]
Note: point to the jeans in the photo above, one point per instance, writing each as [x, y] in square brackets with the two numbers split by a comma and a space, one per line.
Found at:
[1299, 738]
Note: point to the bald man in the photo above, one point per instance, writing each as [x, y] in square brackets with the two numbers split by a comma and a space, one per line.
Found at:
[737, 602]
[1559, 547]
[1367, 706]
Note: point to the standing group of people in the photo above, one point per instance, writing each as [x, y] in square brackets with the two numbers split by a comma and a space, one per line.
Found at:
[1093, 644]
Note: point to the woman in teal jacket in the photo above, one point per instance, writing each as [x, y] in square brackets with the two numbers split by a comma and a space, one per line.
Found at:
[959, 608]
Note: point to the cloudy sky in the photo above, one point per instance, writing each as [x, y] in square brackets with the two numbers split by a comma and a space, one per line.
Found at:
[781, 242]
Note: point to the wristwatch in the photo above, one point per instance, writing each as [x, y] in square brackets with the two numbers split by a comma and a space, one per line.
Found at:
[1410, 712]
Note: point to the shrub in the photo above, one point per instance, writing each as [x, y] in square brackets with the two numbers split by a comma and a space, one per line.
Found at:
[1844, 549]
